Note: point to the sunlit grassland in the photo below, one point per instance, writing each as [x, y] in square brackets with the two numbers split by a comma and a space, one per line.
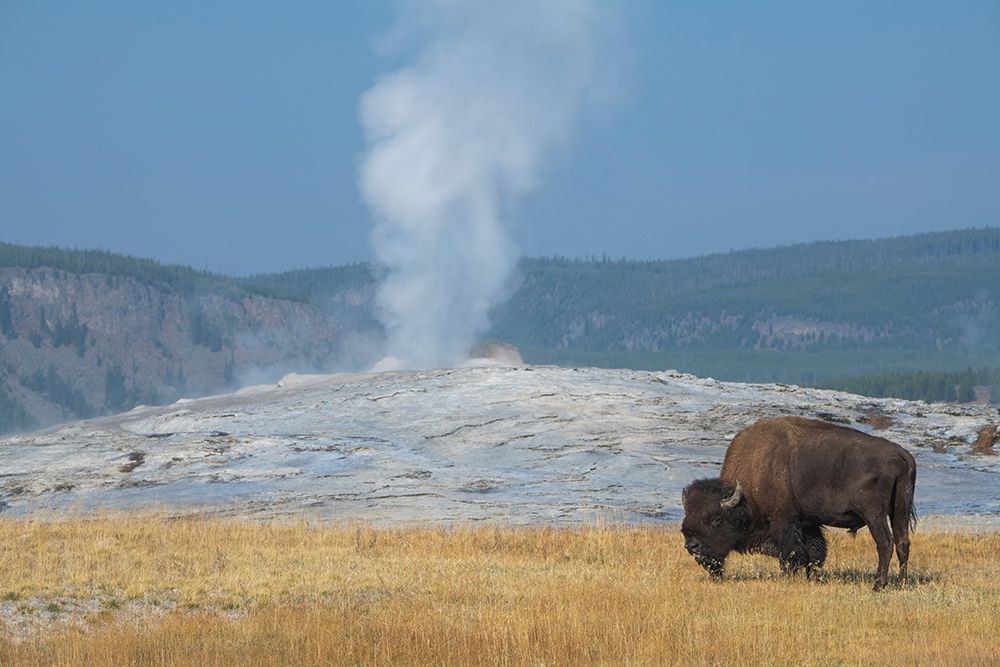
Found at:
[151, 590]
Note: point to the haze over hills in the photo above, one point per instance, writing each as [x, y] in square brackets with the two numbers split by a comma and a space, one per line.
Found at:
[803, 313]
[85, 333]
[799, 314]
[89, 332]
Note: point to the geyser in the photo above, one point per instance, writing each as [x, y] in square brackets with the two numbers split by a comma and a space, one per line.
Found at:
[454, 136]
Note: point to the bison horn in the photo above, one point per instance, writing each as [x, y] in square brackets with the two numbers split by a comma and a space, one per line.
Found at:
[733, 500]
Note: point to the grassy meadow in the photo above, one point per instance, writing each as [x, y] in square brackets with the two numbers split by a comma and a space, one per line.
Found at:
[199, 591]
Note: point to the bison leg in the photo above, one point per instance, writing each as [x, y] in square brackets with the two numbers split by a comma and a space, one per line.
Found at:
[901, 536]
[902, 515]
[815, 543]
[879, 529]
[792, 551]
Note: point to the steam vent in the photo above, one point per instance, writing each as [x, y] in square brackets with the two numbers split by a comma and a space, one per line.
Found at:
[502, 353]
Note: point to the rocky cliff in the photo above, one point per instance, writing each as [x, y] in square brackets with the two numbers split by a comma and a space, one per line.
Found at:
[76, 345]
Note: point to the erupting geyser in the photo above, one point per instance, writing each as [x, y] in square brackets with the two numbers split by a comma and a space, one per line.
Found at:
[453, 136]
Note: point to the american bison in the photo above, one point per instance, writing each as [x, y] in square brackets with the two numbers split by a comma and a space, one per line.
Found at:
[785, 478]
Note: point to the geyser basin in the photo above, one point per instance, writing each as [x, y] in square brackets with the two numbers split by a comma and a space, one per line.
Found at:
[513, 445]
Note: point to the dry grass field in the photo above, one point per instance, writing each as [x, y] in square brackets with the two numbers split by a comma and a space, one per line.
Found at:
[149, 591]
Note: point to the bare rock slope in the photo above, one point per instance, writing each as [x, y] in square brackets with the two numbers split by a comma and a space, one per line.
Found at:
[75, 345]
[513, 445]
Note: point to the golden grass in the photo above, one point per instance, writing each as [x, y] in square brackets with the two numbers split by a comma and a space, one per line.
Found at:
[208, 592]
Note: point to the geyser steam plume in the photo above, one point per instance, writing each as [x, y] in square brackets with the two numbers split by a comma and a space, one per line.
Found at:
[453, 137]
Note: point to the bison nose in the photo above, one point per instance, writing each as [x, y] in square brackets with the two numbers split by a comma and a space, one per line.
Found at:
[691, 544]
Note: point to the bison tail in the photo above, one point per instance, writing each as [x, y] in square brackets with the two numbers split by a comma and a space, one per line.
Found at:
[913, 510]
[903, 509]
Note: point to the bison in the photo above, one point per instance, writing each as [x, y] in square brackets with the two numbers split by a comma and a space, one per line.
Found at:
[784, 479]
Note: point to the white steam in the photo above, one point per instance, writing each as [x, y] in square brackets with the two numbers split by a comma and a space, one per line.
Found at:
[453, 138]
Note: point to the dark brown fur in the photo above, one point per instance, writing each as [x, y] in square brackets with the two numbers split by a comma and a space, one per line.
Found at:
[797, 475]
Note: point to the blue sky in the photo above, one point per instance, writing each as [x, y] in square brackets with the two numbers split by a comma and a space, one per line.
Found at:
[225, 135]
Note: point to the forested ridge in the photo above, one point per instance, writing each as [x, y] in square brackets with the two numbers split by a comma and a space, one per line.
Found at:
[806, 313]
[915, 316]
[173, 277]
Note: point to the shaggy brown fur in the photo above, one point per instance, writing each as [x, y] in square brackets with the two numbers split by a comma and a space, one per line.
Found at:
[796, 475]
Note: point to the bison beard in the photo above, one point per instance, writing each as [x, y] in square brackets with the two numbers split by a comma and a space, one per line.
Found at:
[784, 479]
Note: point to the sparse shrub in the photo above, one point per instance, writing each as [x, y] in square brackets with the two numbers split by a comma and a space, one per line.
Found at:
[988, 436]
[877, 421]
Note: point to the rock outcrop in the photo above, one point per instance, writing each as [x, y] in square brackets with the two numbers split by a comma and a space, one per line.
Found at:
[76, 345]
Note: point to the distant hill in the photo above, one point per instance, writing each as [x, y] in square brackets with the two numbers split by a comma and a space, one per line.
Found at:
[174, 278]
[803, 313]
[83, 332]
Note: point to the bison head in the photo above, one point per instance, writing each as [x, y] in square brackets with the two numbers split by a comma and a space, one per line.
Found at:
[716, 521]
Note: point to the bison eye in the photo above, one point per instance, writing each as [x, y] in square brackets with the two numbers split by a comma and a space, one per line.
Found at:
[715, 521]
